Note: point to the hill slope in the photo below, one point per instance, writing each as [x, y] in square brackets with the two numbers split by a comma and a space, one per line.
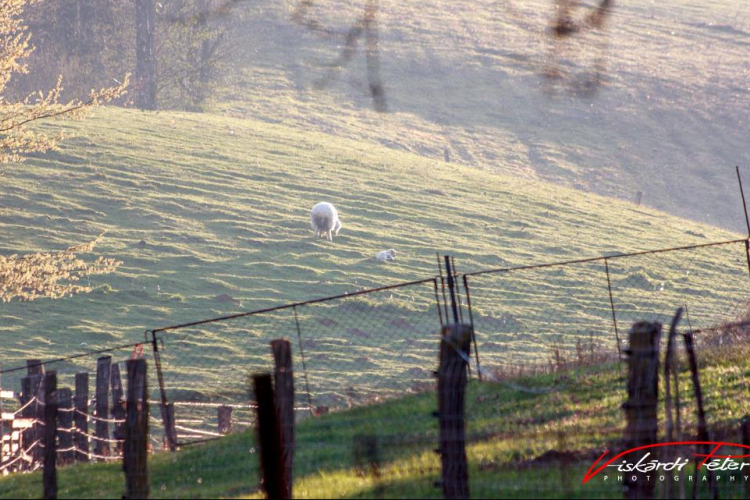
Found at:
[199, 206]
[669, 119]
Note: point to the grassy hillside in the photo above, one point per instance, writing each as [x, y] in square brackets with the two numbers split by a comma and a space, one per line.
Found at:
[669, 119]
[199, 206]
[520, 444]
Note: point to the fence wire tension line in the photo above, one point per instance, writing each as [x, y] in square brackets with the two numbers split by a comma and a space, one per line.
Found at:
[533, 329]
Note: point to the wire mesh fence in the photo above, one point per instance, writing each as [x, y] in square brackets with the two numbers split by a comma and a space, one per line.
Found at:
[549, 343]
[348, 351]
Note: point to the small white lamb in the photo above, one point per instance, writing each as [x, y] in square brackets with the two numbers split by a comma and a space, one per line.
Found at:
[386, 255]
[325, 221]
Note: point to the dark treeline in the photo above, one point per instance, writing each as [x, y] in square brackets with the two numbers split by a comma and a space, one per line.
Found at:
[175, 49]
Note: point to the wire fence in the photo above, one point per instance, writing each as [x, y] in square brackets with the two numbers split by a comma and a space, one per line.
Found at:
[550, 340]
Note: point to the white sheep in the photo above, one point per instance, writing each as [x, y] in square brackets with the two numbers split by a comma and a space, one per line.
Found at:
[386, 255]
[325, 221]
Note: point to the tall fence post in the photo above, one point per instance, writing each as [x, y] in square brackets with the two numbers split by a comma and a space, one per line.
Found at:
[269, 440]
[50, 435]
[452, 377]
[65, 410]
[118, 408]
[81, 417]
[702, 426]
[101, 426]
[284, 399]
[643, 397]
[135, 447]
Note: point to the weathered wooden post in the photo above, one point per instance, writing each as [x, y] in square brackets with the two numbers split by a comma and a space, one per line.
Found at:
[101, 424]
[745, 439]
[81, 417]
[34, 367]
[29, 388]
[65, 416]
[225, 419]
[269, 440]
[702, 426]
[135, 447]
[118, 408]
[170, 431]
[50, 435]
[643, 398]
[39, 415]
[284, 399]
[452, 379]
[367, 460]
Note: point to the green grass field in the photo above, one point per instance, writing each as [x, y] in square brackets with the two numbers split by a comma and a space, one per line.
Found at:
[197, 206]
[521, 444]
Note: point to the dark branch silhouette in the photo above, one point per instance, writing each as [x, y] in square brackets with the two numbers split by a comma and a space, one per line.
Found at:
[367, 25]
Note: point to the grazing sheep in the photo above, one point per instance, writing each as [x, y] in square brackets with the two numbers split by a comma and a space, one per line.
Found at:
[386, 255]
[325, 221]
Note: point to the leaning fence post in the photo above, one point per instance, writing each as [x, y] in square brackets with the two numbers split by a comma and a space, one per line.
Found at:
[135, 447]
[50, 435]
[81, 417]
[101, 426]
[452, 377]
[65, 410]
[269, 440]
[643, 397]
[170, 431]
[284, 398]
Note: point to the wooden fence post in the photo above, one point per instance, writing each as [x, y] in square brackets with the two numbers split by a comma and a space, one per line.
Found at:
[367, 460]
[34, 367]
[284, 399]
[50, 435]
[225, 419]
[135, 447]
[81, 417]
[101, 424]
[745, 439]
[29, 388]
[702, 426]
[39, 415]
[170, 431]
[269, 440]
[452, 378]
[65, 410]
[643, 398]
[118, 407]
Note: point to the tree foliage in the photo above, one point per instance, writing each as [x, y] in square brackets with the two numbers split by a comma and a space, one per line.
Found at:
[53, 275]
[16, 137]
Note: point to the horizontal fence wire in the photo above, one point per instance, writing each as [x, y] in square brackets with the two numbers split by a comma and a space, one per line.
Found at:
[551, 340]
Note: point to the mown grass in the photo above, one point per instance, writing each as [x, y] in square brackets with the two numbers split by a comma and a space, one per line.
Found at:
[520, 443]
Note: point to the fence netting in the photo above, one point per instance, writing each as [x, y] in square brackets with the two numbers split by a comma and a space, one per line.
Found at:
[548, 382]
